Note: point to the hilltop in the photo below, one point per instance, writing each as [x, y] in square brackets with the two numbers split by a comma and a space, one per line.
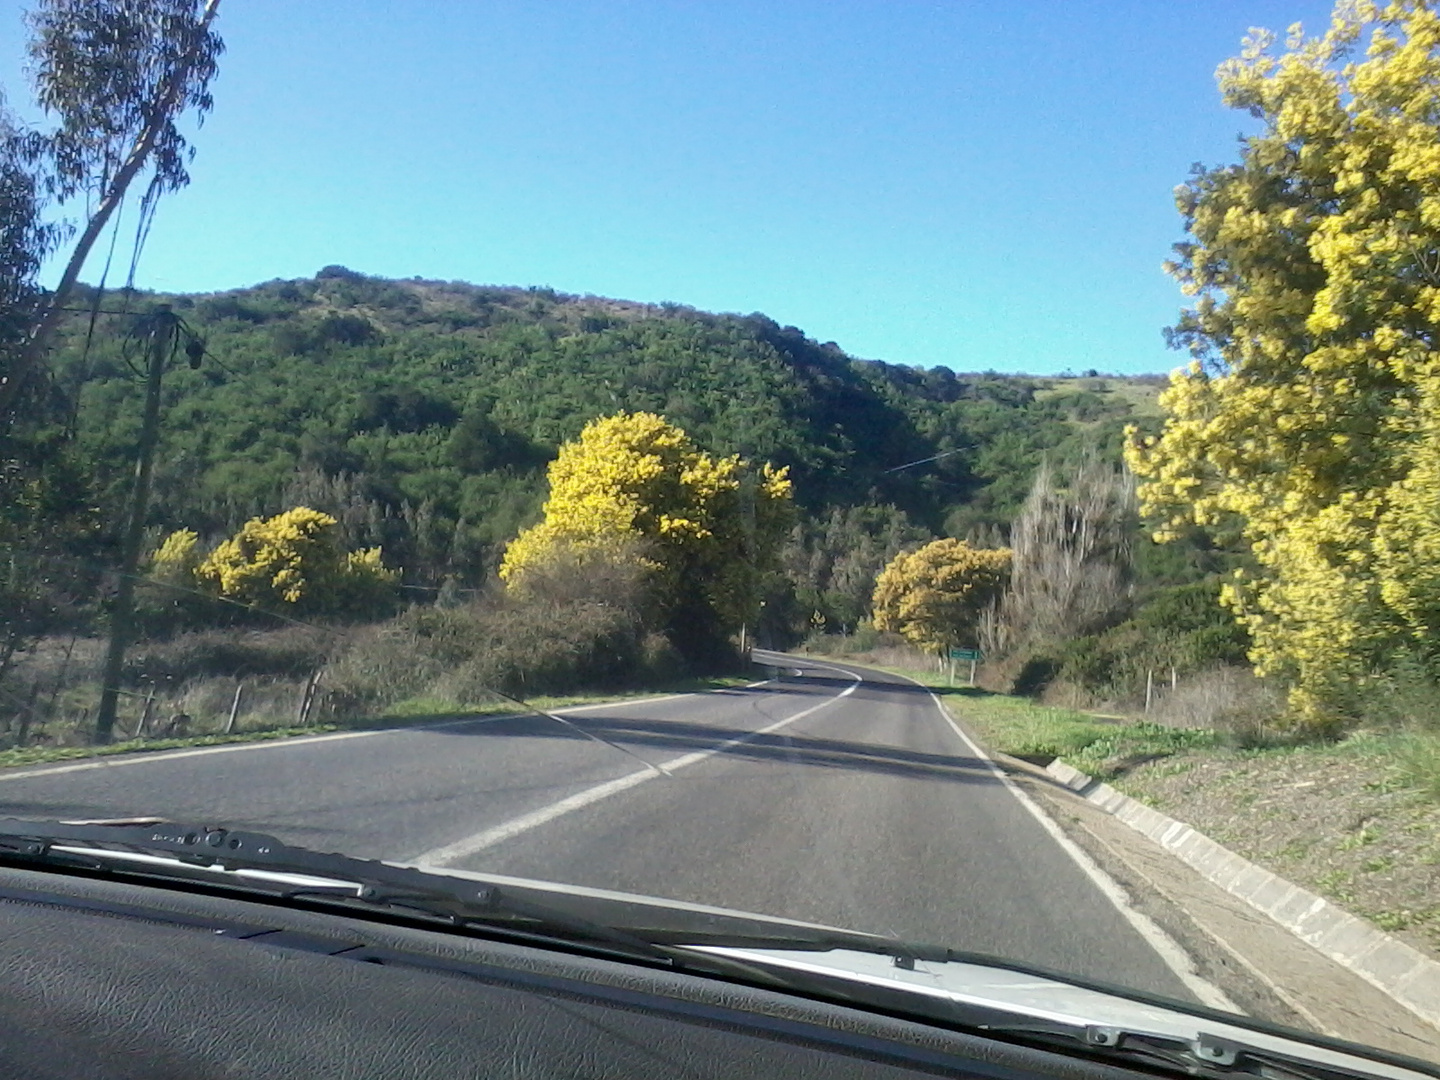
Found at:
[423, 413]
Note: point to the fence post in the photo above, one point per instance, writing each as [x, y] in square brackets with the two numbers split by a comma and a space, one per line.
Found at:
[60, 676]
[1149, 688]
[307, 699]
[27, 715]
[234, 707]
[145, 713]
[973, 662]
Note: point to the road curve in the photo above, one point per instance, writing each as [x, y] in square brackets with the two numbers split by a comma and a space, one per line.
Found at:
[830, 793]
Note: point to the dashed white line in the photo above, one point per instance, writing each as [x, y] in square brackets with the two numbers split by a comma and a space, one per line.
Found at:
[470, 845]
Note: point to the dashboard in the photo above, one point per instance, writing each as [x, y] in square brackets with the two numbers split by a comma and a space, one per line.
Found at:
[111, 979]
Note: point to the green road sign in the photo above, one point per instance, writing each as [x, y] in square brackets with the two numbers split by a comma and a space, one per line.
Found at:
[964, 654]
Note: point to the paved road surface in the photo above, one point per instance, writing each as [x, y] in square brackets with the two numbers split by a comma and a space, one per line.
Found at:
[830, 793]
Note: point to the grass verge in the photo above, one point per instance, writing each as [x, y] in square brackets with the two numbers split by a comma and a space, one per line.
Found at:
[412, 713]
[1356, 821]
[1103, 747]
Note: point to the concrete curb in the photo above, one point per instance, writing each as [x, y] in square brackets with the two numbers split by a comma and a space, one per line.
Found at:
[1393, 967]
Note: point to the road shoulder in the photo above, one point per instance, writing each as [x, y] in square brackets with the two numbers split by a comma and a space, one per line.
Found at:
[1267, 970]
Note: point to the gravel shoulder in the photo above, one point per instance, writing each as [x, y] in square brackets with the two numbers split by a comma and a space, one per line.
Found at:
[1333, 819]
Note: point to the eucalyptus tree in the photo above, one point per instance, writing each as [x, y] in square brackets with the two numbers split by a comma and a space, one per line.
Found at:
[114, 77]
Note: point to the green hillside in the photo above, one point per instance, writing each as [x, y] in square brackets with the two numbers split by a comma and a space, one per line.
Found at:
[422, 414]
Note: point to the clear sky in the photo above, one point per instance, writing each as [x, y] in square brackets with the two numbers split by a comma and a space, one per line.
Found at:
[979, 185]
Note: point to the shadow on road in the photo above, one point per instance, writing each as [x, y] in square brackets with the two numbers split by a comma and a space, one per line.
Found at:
[639, 733]
[817, 684]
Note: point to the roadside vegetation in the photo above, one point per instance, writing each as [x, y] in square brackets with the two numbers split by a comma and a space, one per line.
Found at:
[610, 594]
[1356, 820]
[208, 687]
[1290, 601]
[335, 495]
[343, 500]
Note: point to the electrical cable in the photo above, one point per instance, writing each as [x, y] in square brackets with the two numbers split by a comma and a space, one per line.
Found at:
[922, 461]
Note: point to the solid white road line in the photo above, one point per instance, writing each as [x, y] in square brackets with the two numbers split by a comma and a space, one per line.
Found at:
[470, 845]
[118, 761]
[1168, 949]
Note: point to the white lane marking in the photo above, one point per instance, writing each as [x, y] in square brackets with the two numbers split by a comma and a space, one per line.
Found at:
[117, 761]
[1168, 949]
[470, 845]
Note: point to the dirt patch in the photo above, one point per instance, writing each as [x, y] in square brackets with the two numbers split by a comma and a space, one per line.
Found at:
[1336, 820]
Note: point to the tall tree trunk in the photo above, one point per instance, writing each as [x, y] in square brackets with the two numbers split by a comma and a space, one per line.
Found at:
[122, 616]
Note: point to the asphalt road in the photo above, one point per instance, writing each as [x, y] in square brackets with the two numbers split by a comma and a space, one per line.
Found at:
[831, 794]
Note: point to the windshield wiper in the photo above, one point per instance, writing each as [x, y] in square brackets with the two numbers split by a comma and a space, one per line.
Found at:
[154, 849]
[255, 860]
[198, 851]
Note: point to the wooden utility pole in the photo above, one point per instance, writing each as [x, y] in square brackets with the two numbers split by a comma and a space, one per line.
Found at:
[162, 327]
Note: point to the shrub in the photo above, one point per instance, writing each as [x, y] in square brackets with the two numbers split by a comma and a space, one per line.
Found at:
[1183, 628]
[1231, 700]
[1034, 674]
[293, 651]
[518, 644]
[294, 562]
[525, 649]
[660, 660]
[383, 665]
[1404, 697]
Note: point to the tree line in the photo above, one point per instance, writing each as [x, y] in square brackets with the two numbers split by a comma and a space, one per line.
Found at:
[349, 448]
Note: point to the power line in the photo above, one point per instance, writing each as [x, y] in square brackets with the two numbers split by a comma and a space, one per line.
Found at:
[922, 461]
[98, 311]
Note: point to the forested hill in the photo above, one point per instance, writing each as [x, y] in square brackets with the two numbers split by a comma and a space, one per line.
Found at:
[423, 413]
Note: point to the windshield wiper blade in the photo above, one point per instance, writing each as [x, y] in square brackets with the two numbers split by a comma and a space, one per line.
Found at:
[211, 846]
[167, 850]
[256, 861]
[295, 872]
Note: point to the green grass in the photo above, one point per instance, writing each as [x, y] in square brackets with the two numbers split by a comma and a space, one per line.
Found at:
[36, 755]
[1419, 762]
[1142, 398]
[1356, 840]
[1021, 728]
[413, 712]
[1105, 747]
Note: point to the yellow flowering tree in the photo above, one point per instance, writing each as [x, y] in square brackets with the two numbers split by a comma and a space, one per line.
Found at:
[934, 597]
[709, 527]
[290, 562]
[1303, 426]
[177, 558]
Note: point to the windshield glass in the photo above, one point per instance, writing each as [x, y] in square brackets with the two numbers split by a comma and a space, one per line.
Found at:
[386, 464]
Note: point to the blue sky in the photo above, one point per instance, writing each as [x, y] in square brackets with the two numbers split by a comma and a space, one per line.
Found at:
[978, 185]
